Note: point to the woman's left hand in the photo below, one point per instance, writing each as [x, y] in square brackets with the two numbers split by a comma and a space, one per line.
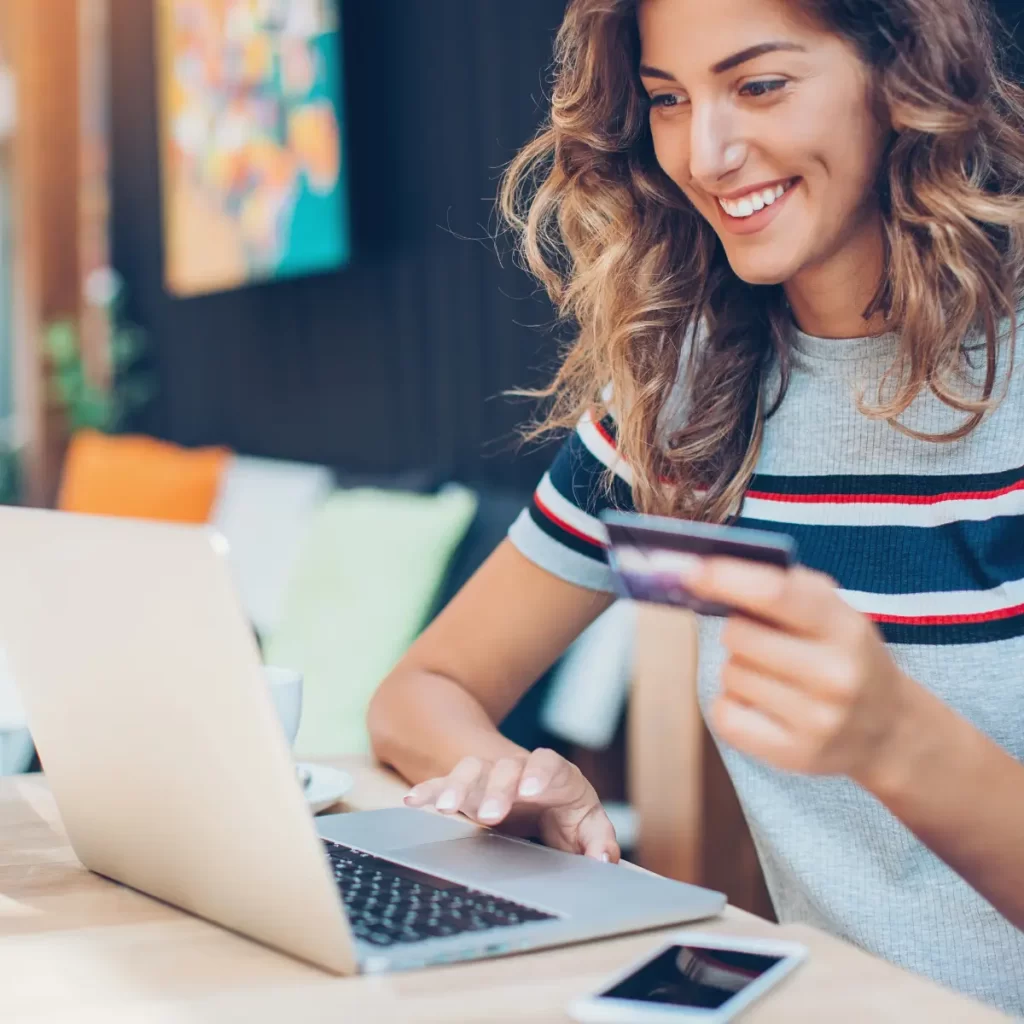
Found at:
[811, 687]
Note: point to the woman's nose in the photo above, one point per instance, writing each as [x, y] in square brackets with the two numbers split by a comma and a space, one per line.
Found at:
[716, 151]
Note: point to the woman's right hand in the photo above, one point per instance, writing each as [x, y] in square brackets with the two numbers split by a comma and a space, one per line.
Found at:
[544, 787]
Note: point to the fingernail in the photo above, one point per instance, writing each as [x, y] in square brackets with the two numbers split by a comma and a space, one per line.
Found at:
[529, 787]
[446, 801]
[606, 857]
[490, 809]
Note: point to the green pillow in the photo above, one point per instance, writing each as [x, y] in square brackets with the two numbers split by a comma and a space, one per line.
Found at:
[368, 572]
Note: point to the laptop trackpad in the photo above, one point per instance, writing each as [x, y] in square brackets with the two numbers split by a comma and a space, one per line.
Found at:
[484, 859]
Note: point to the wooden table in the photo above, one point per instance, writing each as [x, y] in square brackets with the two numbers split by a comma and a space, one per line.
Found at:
[76, 948]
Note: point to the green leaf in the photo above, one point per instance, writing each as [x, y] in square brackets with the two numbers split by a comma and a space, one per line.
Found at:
[62, 343]
[92, 410]
[69, 384]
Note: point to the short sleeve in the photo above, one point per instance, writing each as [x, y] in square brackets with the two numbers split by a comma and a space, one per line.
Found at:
[560, 530]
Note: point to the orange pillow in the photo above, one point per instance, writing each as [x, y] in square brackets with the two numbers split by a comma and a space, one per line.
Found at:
[140, 477]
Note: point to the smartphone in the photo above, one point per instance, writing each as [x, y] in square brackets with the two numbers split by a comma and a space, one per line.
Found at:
[693, 977]
[649, 554]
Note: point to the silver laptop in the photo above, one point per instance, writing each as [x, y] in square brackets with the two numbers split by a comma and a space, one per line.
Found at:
[143, 687]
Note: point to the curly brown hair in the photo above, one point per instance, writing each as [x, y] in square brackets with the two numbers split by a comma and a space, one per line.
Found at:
[635, 269]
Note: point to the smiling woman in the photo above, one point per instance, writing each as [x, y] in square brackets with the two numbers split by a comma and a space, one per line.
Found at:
[789, 238]
[897, 145]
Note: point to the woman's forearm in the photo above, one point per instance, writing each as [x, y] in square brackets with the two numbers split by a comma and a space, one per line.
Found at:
[962, 795]
[423, 724]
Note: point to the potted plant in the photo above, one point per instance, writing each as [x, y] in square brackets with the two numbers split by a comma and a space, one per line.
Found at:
[85, 404]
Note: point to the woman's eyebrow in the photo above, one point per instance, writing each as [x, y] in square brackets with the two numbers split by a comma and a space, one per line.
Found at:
[750, 53]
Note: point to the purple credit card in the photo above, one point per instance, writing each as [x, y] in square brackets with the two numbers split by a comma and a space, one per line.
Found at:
[649, 555]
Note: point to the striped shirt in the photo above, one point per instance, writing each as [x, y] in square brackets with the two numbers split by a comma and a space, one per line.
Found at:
[925, 538]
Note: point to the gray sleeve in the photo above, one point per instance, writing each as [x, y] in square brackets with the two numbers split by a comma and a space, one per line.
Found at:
[553, 556]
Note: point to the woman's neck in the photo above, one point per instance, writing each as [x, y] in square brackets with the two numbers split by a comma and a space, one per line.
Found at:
[828, 299]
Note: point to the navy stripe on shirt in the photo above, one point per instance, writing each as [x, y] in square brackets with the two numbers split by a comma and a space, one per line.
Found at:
[892, 487]
[582, 478]
[965, 555]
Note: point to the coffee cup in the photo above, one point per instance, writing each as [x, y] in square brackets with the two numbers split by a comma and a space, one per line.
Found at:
[285, 686]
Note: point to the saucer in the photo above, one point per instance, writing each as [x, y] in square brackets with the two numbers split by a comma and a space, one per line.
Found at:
[326, 785]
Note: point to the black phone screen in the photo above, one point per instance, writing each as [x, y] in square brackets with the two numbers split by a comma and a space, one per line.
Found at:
[693, 976]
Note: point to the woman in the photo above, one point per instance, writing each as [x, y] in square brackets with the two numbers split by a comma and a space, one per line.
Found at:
[789, 234]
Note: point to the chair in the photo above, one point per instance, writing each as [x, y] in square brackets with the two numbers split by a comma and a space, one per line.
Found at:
[691, 827]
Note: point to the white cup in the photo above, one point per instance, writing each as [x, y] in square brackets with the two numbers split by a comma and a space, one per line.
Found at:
[286, 691]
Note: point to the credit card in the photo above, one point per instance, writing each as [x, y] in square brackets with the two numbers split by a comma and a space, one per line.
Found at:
[649, 555]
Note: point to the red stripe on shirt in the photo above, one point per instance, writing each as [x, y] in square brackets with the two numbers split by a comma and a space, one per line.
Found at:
[950, 620]
[603, 431]
[563, 525]
[884, 499]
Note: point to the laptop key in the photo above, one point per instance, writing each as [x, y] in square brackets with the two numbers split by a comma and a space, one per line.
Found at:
[389, 903]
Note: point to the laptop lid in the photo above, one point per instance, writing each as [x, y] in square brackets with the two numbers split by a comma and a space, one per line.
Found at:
[143, 687]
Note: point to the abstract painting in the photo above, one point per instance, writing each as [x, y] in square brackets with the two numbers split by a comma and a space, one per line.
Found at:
[253, 165]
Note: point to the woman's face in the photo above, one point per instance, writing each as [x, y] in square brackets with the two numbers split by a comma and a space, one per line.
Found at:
[765, 122]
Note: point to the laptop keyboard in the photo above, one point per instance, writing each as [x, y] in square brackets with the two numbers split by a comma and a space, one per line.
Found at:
[388, 903]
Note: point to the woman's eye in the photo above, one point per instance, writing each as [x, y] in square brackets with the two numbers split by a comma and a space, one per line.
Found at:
[762, 88]
[666, 100]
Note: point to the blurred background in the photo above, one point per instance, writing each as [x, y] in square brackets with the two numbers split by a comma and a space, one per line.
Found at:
[249, 276]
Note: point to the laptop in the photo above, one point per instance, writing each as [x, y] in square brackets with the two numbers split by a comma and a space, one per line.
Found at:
[143, 688]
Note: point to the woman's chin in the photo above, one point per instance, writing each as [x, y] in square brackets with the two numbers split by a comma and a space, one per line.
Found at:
[762, 269]
[765, 264]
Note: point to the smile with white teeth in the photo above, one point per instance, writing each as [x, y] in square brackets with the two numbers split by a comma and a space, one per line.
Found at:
[754, 202]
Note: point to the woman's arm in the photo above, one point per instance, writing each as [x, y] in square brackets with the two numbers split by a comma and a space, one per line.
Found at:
[500, 633]
[435, 718]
